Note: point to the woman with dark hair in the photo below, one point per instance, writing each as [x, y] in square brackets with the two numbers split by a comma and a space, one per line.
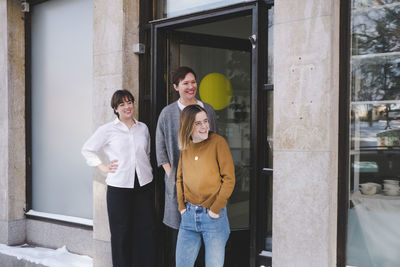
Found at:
[205, 181]
[126, 145]
[167, 150]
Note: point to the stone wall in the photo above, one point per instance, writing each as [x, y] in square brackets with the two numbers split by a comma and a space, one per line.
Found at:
[12, 123]
[306, 75]
[115, 67]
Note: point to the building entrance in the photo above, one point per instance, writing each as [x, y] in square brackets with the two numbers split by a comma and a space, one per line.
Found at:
[224, 48]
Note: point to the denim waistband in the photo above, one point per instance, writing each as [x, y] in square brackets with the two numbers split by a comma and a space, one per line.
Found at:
[190, 206]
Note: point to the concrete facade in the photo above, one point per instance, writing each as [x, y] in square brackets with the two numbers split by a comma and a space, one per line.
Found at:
[306, 75]
[12, 123]
[115, 67]
[55, 235]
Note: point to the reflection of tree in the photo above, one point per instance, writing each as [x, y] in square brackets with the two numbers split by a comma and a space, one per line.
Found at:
[376, 31]
[237, 72]
[376, 79]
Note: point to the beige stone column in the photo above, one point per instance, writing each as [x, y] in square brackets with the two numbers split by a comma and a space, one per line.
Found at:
[306, 77]
[115, 67]
[12, 123]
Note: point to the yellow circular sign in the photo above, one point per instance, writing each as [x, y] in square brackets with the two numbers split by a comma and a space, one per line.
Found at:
[216, 90]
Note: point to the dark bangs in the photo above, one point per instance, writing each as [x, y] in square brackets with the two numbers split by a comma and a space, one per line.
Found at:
[120, 96]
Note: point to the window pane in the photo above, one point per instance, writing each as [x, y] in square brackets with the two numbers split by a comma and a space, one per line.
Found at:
[374, 208]
[376, 77]
[376, 28]
[61, 106]
[173, 8]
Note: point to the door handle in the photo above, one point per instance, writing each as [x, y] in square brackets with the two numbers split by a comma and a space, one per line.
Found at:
[253, 40]
[267, 171]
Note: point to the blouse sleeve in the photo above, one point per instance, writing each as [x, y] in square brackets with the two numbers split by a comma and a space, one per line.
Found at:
[92, 146]
[148, 149]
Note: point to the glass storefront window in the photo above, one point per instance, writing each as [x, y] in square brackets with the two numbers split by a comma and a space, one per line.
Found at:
[173, 8]
[374, 208]
[62, 77]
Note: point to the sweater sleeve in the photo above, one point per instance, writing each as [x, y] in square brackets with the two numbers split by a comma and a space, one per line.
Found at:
[212, 117]
[227, 172]
[161, 148]
[179, 186]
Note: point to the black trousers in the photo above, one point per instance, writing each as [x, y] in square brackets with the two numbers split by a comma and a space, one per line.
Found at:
[131, 218]
[171, 237]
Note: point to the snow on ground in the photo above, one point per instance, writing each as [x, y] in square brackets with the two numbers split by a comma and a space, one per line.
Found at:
[60, 257]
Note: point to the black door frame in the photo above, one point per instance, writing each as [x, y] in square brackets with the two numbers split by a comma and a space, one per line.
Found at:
[261, 171]
[344, 125]
[259, 65]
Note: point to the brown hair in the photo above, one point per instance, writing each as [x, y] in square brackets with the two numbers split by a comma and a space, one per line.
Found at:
[186, 123]
[180, 73]
[119, 97]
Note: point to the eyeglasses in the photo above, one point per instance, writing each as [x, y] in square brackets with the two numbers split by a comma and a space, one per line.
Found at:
[201, 123]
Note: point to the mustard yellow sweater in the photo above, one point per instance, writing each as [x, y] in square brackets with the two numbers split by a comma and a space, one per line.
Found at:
[206, 174]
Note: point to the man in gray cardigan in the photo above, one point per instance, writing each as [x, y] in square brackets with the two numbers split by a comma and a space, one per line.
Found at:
[167, 150]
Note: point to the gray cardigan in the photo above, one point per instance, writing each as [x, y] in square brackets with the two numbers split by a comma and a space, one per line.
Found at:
[167, 151]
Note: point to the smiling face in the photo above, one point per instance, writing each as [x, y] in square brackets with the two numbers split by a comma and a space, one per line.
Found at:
[201, 127]
[125, 110]
[187, 88]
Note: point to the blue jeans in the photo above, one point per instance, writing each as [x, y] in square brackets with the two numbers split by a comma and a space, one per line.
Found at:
[197, 224]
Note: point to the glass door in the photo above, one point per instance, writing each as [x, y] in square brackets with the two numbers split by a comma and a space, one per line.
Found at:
[218, 55]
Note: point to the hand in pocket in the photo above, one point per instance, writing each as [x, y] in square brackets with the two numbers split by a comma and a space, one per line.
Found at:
[213, 215]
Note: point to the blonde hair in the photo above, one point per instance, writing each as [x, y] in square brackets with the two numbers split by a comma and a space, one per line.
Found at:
[186, 124]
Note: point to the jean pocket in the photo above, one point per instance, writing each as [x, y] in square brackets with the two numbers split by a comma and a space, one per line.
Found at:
[220, 215]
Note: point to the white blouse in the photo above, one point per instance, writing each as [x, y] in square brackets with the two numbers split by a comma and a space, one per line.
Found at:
[131, 147]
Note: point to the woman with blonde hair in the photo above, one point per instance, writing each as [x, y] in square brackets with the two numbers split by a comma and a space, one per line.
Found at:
[205, 181]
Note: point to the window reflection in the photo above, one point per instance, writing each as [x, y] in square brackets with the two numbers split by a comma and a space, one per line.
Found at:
[374, 207]
[376, 77]
[375, 27]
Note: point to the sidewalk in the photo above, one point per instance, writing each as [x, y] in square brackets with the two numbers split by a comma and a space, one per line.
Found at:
[29, 256]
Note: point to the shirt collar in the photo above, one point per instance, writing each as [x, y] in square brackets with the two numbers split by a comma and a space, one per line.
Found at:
[182, 106]
[117, 122]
